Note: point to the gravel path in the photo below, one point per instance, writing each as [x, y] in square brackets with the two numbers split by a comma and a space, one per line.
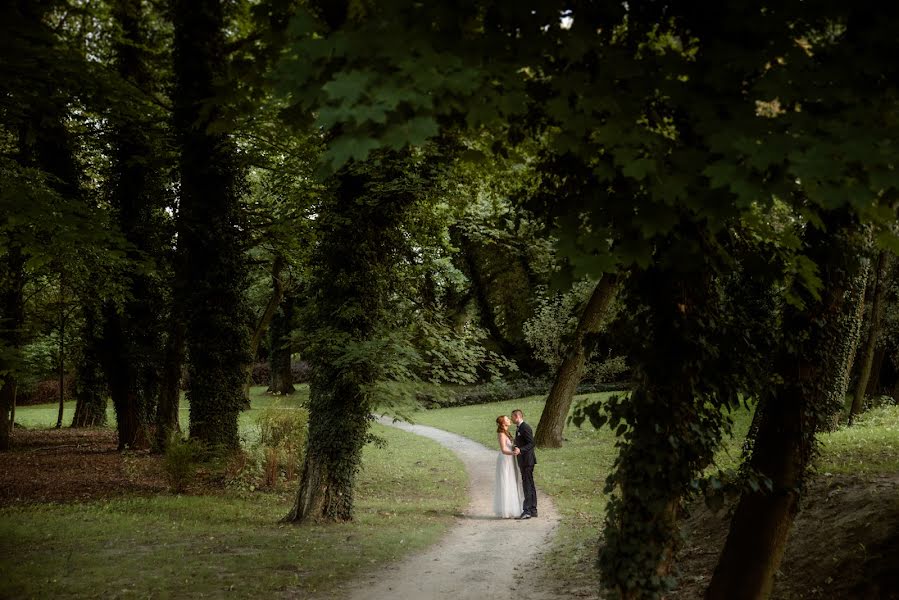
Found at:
[481, 557]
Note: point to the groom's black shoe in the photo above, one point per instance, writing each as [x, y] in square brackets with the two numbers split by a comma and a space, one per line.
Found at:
[523, 516]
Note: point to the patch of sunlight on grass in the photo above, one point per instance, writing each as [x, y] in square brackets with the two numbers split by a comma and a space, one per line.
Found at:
[871, 445]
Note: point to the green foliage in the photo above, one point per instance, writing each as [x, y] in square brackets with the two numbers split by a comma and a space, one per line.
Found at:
[180, 462]
[550, 330]
[282, 434]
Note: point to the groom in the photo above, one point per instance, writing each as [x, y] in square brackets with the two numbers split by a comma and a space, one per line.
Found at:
[524, 450]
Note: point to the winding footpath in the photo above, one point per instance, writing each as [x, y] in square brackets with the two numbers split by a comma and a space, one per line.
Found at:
[481, 556]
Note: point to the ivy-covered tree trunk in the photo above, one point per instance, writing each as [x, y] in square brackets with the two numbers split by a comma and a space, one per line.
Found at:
[209, 227]
[167, 421]
[91, 387]
[881, 274]
[132, 332]
[671, 423]
[279, 349]
[12, 316]
[795, 409]
[847, 341]
[357, 246]
[268, 314]
[570, 371]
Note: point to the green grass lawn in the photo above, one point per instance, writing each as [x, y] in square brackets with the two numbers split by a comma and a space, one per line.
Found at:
[44, 415]
[213, 545]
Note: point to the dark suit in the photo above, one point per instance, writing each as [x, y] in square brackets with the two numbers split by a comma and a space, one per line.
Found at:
[524, 441]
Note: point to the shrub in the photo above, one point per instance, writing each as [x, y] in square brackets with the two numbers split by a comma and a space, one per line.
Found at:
[500, 390]
[301, 371]
[262, 374]
[46, 391]
[180, 462]
[282, 437]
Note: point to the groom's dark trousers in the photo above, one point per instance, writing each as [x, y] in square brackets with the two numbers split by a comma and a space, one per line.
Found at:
[524, 441]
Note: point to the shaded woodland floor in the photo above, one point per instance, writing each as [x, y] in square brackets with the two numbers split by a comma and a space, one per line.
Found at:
[75, 465]
[844, 544]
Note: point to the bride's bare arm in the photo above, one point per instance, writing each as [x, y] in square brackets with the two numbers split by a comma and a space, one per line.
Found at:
[502, 443]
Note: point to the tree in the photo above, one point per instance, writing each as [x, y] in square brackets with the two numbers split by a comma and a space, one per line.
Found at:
[132, 329]
[570, 370]
[213, 276]
[279, 349]
[42, 181]
[881, 277]
[794, 408]
[359, 239]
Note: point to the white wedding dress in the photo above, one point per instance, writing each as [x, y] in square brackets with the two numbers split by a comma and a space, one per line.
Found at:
[507, 492]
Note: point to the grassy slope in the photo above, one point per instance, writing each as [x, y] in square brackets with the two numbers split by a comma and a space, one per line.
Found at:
[209, 545]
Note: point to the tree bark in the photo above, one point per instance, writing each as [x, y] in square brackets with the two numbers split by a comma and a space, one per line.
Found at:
[62, 358]
[12, 316]
[858, 400]
[266, 318]
[571, 369]
[848, 334]
[671, 422]
[794, 410]
[874, 386]
[210, 225]
[167, 421]
[279, 350]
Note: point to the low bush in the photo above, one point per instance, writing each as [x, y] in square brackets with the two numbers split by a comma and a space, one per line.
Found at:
[45, 392]
[500, 390]
[180, 462]
[299, 369]
[282, 439]
[262, 374]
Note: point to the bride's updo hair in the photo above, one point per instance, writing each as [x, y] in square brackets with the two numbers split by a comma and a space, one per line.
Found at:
[501, 425]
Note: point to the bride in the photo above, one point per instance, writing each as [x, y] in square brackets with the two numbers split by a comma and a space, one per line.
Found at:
[507, 494]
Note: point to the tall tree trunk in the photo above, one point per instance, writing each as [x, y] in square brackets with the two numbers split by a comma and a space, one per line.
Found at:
[870, 345]
[660, 456]
[358, 243]
[571, 369]
[795, 409]
[167, 421]
[266, 317]
[62, 358]
[91, 389]
[132, 333]
[12, 316]
[848, 336]
[279, 349]
[874, 385]
[210, 226]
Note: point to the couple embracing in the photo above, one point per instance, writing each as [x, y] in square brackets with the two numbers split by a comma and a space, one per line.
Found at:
[514, 493]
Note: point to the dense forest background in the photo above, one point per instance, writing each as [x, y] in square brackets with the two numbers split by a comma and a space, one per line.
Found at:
[449, 203]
